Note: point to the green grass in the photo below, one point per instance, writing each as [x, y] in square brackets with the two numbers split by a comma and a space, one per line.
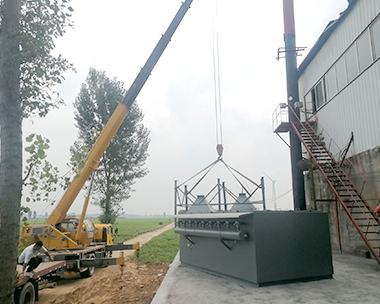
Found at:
[32, 222]
[131, 227]
[128, 227]
[160, 249]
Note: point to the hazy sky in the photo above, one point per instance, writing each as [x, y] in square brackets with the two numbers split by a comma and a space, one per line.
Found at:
[117, 37]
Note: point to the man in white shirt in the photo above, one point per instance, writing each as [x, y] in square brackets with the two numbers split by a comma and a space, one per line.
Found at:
[29, 256]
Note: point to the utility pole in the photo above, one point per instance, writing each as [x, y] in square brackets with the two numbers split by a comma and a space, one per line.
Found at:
[292, 94]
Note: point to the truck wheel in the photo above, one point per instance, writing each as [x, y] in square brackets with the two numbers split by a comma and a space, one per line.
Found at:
[88, 272]
[27, 294]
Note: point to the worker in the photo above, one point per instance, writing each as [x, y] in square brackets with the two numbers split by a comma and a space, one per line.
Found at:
[29, 257]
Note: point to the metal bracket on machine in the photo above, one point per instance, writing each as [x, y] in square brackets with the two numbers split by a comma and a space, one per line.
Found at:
[225, 244]
[191, 245]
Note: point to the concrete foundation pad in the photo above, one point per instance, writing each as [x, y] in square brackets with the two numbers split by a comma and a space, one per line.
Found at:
[355, 280]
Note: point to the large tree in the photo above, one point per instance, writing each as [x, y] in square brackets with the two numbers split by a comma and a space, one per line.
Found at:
[11, 146]
[124, 159]
[28, 71]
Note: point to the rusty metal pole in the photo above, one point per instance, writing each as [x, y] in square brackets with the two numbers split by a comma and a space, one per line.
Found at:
[292, 94]
[338, 227]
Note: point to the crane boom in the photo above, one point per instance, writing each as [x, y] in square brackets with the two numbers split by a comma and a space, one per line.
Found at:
[142, 77]
[93, 157]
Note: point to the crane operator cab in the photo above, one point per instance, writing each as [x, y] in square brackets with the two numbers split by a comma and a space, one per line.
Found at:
[66, 235]
[104, 233]
[69, 226]
[98, 233]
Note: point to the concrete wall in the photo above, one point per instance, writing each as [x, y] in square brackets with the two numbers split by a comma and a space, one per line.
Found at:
[319, 197]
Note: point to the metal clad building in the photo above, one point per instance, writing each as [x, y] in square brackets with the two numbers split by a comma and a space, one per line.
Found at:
[339, 79]
[339, 88]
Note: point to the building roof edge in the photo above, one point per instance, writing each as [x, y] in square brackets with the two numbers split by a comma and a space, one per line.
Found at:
[331, 26]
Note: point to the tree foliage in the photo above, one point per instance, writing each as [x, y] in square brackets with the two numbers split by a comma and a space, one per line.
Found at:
[123, 161]
[41, 177]
[42, 21]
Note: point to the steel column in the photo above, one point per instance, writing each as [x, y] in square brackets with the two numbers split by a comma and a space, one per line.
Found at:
[263, 192]
[219, 197]
[175, 197]
[292, 94]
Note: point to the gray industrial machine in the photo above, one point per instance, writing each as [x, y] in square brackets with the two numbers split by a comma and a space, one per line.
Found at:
[201, 205]
[242, 204]
[263, 247]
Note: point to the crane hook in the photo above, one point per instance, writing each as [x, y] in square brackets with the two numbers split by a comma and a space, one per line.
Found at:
[219, 149]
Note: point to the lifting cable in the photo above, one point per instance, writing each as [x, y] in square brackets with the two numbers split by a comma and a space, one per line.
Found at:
[217, 92]
[218, 115]
[218, 101]
[209, 167]
[232, 169]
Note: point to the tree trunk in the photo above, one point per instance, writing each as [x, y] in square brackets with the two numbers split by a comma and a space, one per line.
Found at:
[107, 211]
[11, 147]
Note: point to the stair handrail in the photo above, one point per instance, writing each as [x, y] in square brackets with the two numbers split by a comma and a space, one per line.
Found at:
[336, 173]
[310, 139]
[364, 183]
[333, 188]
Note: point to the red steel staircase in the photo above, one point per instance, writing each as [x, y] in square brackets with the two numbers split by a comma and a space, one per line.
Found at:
[358, 210]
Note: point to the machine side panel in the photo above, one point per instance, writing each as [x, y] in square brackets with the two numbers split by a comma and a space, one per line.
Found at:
[230, 257]
[292, 246]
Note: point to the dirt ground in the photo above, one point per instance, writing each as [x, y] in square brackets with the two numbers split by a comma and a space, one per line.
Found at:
[137, 283]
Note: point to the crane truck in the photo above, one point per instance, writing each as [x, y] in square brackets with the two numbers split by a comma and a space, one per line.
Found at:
[76, 244]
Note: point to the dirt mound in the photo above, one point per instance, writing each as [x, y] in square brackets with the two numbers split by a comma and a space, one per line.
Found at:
[138, 284]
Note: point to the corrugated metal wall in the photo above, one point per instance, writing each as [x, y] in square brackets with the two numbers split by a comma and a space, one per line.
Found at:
[356, 108]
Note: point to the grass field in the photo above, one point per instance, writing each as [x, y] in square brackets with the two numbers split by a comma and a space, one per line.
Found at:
[161, 249]
[131, 227]
[32, 222]
[127, 227]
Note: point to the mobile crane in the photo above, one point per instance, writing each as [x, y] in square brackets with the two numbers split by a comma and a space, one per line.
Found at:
[72, 240]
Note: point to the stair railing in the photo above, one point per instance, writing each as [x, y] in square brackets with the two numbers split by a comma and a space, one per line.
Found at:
[334, 168]
[356, 198]
[352, 171]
